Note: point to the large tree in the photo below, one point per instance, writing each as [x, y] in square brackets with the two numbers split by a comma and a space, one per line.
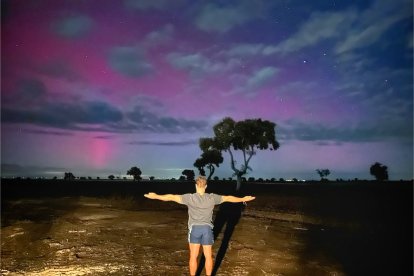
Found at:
[209, 158]
[246, 136]
[379, 171]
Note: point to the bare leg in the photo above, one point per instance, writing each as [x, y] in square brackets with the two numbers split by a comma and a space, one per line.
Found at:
[207, 250]
[194, 249]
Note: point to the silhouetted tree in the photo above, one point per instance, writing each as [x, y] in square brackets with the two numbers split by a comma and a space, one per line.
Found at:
[216, 178]
[111, 177]
[152, 178]
[189, 174]
[379, 171]
[181, 178]
[69, 176]
[209, 158]
[135, 172]
[322, 173]
[248, 136]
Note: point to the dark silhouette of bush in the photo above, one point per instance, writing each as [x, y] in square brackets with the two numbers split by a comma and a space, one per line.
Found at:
[379, 171]
[135, 172]
[189, 174]
[111, 177]
[322, 173]
[152, 178]
[69, 176]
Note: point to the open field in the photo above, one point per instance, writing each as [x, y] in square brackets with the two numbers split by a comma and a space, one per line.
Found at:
[109, 228]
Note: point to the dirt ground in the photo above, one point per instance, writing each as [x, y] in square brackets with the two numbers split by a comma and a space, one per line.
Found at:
[121, 235]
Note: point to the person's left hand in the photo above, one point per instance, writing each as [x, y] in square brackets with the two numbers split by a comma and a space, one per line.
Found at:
[150, 195]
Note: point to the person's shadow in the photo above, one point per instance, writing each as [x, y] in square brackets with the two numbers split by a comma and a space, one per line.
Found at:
[227, 216]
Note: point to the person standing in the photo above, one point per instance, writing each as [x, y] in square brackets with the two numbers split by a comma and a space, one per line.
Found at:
[200, 214]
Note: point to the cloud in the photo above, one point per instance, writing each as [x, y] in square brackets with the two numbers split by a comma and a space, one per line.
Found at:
[221, 19]
[10, 170]
[63, 115]
[148, 121]
[146, 5]
[58, 69]
[129, 61]
[373, 23]
[198, 64]
[31, 88]
[245, 50]
[262, 76]
[73, 26]
[47, 132]
[363, 132]
[320, 26]
[162, 143]
[160, 36]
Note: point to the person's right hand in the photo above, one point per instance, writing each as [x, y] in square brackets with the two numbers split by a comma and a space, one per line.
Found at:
[248, 198]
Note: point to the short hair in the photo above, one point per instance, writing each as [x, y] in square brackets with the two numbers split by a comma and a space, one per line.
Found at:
[201, 181]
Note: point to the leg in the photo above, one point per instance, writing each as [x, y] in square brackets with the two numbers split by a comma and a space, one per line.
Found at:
[194, 249]
[208, 255]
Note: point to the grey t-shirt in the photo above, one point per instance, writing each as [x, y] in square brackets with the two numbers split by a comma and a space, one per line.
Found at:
[200, 208]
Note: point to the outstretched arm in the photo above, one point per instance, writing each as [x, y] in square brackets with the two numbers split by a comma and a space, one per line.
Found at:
[235, 199]
[168, 197]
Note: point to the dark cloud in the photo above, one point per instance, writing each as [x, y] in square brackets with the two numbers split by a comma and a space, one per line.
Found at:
[145, 5]
[47, 132]
[31, 88]
[15, 170]
[149, 121]
[73, 26]
[58, 69]
[295, 130]
[63, 115]
[170, 143]
[129, 61]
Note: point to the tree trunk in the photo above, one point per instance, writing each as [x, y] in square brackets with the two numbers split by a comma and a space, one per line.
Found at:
[239, 180]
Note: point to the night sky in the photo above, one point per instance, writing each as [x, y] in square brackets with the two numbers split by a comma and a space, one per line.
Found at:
[96, 87]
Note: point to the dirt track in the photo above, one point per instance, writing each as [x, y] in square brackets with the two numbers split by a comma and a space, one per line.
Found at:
[124, 235]
[89, 236]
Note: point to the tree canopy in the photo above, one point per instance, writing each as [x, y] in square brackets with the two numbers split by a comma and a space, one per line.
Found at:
[323, 172]
[189, 174]
[246, 136]
[209, 158]
[135, 172]
[379, 171]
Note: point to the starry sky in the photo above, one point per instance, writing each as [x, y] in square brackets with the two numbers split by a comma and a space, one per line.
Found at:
[96, 87]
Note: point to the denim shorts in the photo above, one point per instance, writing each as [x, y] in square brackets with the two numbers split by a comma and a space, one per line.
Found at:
[201, 234]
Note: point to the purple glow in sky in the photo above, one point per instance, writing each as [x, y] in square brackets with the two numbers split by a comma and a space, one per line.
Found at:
[96, 87]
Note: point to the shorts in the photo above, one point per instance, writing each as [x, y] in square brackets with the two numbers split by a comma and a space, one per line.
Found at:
[201, 234]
